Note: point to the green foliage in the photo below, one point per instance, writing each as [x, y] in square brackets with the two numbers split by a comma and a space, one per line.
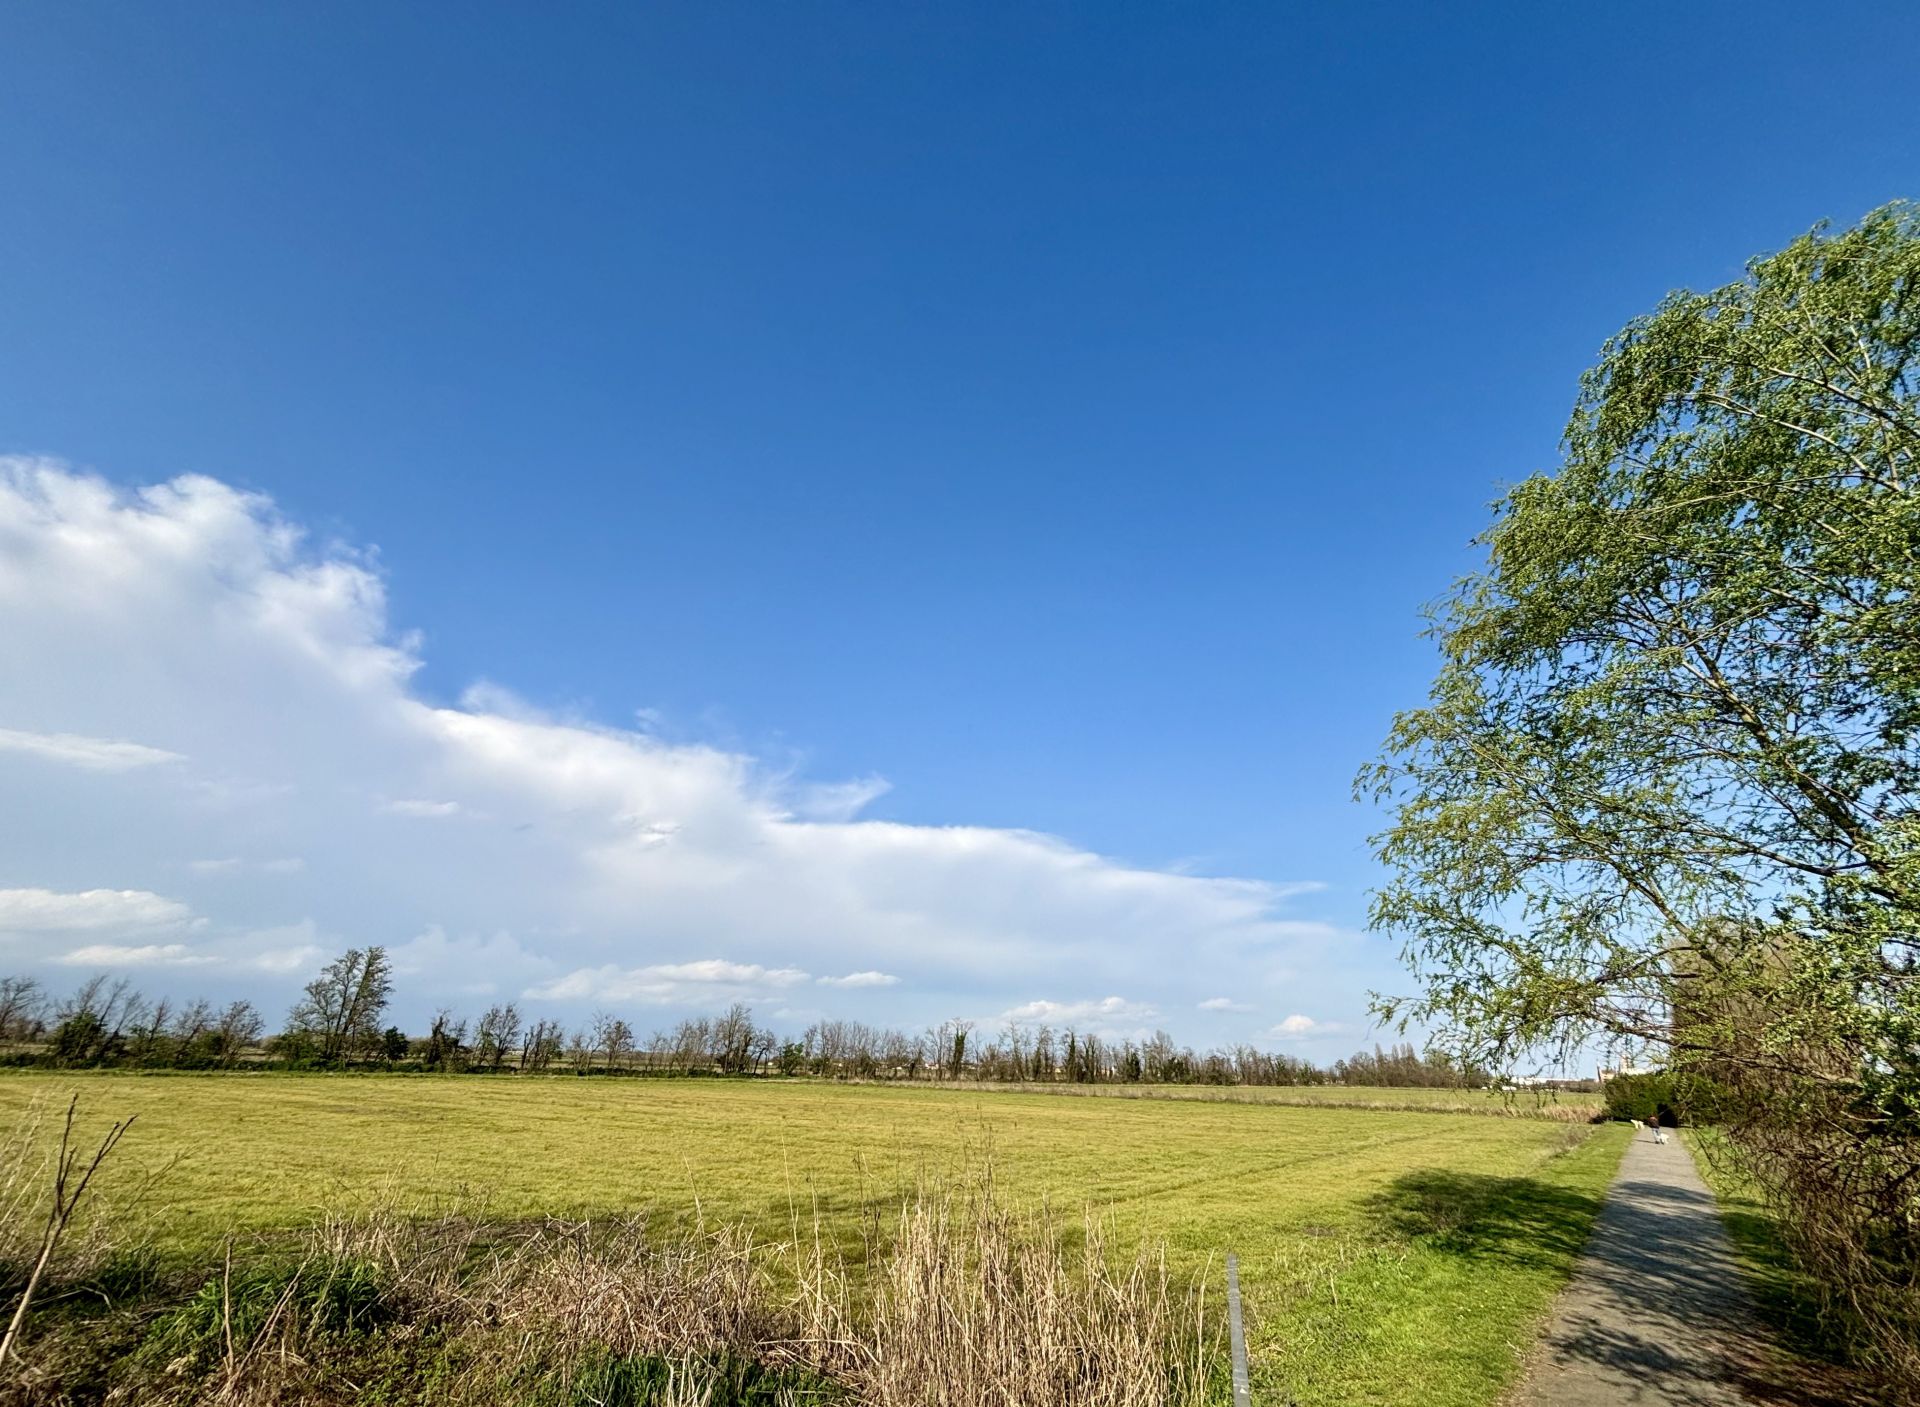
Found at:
[1674, 1098]
[1667, 783]
[1677, 711]
[311, 1297]
[609, 1380]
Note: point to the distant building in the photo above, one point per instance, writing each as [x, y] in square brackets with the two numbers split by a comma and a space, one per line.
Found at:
[1630, 1066]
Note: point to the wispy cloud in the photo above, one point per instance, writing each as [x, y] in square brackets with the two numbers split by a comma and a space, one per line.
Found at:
[90, 754]
[1223, 1004]
[286, 864]
[860, 979]
[662, 984]
[419, 806]
[140, 955]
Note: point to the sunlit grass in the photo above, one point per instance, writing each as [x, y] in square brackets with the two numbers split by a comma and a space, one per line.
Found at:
[1387, 1256]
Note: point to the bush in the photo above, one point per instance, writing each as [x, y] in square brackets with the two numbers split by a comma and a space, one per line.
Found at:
[1675, 1097]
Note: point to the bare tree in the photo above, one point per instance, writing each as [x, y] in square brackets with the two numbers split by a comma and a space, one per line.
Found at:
[192, 1022]
[236, 1028]
[446, 1042]
[543, 1042]
[731, 1039]
[22, 1007]
[496, 1035]
[953, 1046]
[690, 1043]
[614, 1036]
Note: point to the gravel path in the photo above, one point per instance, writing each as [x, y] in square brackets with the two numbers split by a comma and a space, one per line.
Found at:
[1655, 1313]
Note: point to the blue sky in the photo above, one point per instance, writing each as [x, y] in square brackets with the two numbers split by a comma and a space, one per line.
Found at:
[1057, 413]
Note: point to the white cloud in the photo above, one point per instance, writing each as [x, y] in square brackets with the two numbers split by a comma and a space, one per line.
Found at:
[860, 979]
[415, 806]
[1223, 1004]
[141, 955]
[1298, 1027]
[288, 948]
[587, 857]
[1104, 1012]
[662, 984]
[838, 801]
[46, 911]
[232, 864]
[91, 754]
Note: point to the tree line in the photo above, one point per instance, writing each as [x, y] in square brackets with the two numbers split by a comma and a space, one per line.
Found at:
[341, 1022]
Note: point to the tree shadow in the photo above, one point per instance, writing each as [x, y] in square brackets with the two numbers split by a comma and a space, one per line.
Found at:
[1516, 1220]
[1648, 1270]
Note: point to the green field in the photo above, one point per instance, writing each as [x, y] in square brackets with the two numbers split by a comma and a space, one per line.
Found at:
[1388, 1256]
[1571, 1106]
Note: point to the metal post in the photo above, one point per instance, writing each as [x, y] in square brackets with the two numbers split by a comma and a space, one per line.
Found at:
[1242, 1393]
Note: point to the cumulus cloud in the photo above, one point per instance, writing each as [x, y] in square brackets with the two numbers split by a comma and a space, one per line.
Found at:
[590, 863]
[45, 911]
[90, 754]
[1298, 1027]
[1223, 1004]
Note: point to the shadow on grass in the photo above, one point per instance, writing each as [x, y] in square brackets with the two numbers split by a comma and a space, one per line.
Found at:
[1517, 1220]
[1651, 1261]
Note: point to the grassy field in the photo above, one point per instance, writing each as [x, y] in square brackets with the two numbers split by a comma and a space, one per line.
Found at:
[1388, 1257]
[1569, 1107]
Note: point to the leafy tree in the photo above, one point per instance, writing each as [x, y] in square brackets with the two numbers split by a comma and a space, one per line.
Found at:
[1667, 785]
[342, 1007]
[90, 1023]
[446, 1047]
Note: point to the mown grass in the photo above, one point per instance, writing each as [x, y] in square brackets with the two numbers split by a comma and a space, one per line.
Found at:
[1388, 1257]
